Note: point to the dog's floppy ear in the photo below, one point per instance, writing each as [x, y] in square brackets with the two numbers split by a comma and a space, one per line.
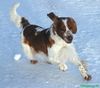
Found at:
[72, 25]
[52, 16]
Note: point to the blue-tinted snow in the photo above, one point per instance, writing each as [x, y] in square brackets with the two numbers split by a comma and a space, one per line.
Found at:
[22, 74]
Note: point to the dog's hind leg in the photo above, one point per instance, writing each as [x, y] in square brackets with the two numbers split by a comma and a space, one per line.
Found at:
[29, 52]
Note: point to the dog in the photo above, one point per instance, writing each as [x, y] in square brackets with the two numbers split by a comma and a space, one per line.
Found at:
[55, 42]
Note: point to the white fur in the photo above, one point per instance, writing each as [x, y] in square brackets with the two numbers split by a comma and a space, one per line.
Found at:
[65, 23]
[61, 52]
[14, 16]
[27, 49]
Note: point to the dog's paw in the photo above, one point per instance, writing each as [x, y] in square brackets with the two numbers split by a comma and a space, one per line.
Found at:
[88, 77]
[33, 61]
[63, 67]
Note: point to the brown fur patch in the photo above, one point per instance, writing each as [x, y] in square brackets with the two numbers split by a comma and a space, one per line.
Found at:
[72, 25]
[39, 42]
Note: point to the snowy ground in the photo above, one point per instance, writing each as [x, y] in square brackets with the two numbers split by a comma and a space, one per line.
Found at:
[22, 74]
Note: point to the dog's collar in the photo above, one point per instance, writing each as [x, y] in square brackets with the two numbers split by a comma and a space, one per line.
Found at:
[27, 26]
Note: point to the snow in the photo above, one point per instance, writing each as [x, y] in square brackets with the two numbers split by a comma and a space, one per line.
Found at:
[22, 74]
[17, 57]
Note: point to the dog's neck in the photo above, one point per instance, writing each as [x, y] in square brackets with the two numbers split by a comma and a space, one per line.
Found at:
[52, 31]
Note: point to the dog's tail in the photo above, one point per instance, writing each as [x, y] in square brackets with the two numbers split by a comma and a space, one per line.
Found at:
[14, 15]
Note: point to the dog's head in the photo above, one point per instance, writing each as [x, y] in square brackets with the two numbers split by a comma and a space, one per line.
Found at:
[65, 27]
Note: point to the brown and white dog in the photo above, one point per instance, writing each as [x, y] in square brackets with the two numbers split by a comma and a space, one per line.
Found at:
[55, 43]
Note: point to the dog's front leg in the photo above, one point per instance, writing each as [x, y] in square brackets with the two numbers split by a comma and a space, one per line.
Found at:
[82, 68]
[83, 71]
[74, 58]
[62, 66]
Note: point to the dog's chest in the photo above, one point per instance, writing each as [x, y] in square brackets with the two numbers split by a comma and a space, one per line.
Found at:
[59, 44]
[61, 51]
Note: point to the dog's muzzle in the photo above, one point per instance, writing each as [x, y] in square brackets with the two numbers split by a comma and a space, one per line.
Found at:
[68, 37]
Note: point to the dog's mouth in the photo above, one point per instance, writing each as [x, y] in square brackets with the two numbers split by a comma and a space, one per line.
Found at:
[68, 39]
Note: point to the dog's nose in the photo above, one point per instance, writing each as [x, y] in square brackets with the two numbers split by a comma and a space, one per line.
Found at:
[69, 38]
